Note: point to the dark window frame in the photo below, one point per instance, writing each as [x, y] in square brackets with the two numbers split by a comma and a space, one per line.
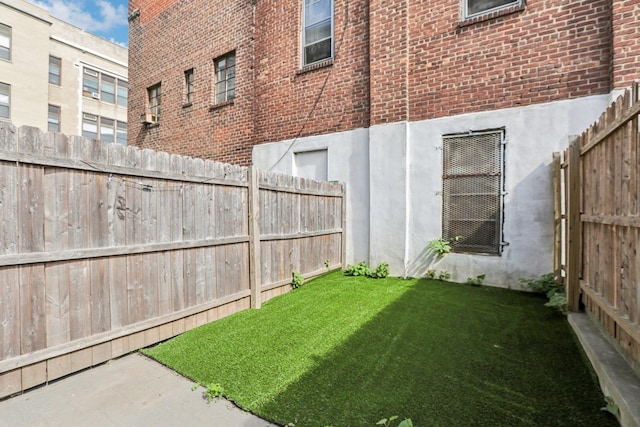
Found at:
[473, 191]
[225, 84]
[189, 87]
[154, 100]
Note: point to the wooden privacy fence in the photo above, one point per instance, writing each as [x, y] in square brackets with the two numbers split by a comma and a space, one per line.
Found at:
[602, 173]
[105, 249]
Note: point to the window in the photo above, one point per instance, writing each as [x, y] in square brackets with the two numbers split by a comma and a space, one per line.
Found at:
[155, 100]
[5, 101]
[225, 78]
[108, 89]
[121, 135]
[55, 65]
[89, 126]
[104, 129]
[107, 130]
[479, 7]
[5, 42]
[123, 92]
[90, 83]
[53, 119]
[188, 84]
[472, 191]
[317, 36]
[104, 87]
[311, 164]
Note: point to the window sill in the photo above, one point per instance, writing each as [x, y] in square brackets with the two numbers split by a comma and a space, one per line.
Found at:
[315, 66]
[221, 105]
[152, 126]
[187, 105]
[491, 15]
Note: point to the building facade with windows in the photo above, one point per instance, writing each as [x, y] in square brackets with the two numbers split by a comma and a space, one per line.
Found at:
[57, 77]
[441, 116]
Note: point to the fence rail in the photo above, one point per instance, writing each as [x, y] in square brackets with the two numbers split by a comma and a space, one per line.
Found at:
[603, 223]
[105, 249]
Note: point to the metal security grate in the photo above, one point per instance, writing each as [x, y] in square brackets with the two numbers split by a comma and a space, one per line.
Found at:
[472, 183]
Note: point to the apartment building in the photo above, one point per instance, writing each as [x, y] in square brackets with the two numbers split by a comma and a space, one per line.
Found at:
[57, 77]
[441, 116]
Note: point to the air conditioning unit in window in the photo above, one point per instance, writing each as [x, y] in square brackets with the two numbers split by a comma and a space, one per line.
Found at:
[148, 119]
[95, 95]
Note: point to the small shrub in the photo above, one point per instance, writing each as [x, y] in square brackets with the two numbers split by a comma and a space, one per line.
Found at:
[430, 274]
[552, 289]
[559, 302]
[611, 407]
[444, 275]
[442, 246]
[381, 271]
[363, 269]
[213, 391]
[360, 269]
[297, 280]
[476, 281]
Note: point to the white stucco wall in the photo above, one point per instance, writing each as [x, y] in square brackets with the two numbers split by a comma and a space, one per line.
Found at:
[532, 134]
[348, 161]
[393, 175]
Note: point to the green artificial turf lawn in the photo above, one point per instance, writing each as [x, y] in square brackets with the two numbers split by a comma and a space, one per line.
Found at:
[349, 351]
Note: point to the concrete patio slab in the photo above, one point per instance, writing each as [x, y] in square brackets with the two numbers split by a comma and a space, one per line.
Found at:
[130, 391]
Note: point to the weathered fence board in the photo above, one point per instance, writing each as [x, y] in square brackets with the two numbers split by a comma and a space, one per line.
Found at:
[105, 248]
[603, 223]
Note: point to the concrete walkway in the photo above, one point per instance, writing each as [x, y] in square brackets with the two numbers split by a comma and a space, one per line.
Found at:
[130, 391]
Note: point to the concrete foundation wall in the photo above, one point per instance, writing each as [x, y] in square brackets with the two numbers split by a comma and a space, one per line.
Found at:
[393, 174]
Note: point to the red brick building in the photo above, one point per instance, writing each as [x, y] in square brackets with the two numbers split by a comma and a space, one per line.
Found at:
[391, 61]
[385, 95]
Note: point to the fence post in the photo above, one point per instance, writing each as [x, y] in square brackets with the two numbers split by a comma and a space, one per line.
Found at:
[254, 238]
[557, 218]
[574, 227]
[343, 222]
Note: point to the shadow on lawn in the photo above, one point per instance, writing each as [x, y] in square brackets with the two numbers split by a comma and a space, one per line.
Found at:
[451, 355]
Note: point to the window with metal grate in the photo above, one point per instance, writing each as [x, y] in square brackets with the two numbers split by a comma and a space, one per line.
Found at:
[472, 190]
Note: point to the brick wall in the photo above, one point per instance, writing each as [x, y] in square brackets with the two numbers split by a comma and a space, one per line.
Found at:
[546, 51]
[389, 45]
[395, 60]
[626, 43]
[286, 94]
[190, 34]
[151, 8]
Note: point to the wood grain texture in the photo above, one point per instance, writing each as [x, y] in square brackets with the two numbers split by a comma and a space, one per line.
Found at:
[603, 221]
[107, 248]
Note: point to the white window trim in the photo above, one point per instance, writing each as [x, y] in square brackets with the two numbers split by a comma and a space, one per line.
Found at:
[466, 15]
[303, 41]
